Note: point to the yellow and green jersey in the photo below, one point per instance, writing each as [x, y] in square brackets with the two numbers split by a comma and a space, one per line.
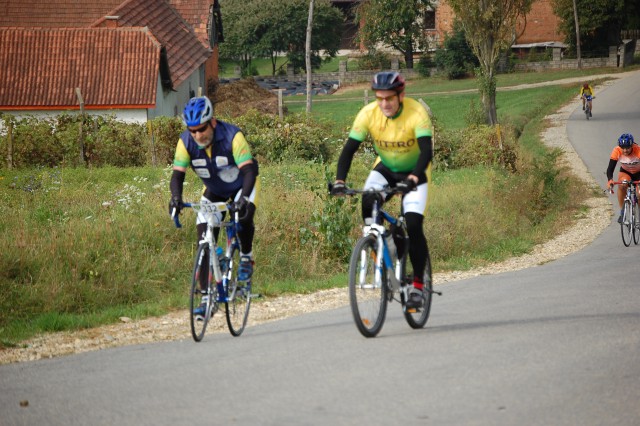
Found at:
[394, 139]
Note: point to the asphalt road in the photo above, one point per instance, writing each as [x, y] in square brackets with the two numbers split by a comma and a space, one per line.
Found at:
[557, 344]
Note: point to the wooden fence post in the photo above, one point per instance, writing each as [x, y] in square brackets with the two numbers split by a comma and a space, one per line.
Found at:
[80, 135]
[9, 144]
[280, 105]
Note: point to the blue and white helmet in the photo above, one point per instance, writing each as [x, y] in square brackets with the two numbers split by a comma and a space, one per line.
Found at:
[625, 140]
[197, 111]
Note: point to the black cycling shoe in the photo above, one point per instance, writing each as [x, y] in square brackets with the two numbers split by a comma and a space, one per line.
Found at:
[415, 301]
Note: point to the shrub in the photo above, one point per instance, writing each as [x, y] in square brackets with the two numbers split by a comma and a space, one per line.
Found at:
[165, 132]
[456, 58]
[294, 137]
[374, 60]
[425, 64]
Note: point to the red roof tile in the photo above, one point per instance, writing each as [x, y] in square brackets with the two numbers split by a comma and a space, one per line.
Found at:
[53, 13]
[196, 13]
[185, 53]
[114, 68]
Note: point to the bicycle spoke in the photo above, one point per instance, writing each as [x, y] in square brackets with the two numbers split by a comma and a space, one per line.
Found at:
[239, 297]
[367, 288]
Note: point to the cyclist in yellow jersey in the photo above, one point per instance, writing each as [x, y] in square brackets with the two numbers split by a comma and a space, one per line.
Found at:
[219, 154]
[402, 137]
[586, 90]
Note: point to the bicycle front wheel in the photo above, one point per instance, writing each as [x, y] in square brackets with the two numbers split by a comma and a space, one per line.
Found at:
[418, 319]
[239, 296]
[636, 223]
[626, 224]
[367, 290]
[202, 304]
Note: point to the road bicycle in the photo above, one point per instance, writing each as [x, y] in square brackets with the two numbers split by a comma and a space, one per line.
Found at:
[219, 272]
[587, 105]
[630, 223]
[379, 270]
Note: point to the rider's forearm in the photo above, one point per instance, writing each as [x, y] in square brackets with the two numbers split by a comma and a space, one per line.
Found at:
[344, 162]
[249, 177]
[611, 168]
[177, 180]
[426, 155]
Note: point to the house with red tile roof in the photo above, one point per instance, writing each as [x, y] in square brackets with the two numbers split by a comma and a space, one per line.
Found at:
[137, 59]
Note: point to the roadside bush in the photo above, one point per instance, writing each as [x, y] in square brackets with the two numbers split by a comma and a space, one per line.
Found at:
[455, 59]
[165, 133]
[374, 60]
[487, 146]
[117, 144]
[294, 137]
[425, 64]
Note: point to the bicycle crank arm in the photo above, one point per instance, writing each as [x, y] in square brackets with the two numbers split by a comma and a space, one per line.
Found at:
[439, 293]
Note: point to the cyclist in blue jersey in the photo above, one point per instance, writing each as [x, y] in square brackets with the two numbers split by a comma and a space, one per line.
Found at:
[219, 154]
[402, 137]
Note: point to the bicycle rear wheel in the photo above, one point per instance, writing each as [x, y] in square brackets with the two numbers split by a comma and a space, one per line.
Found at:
[636, 223]
[202, 272]
[367, 295]
[239, 296]
[418, 318]
[626, 225]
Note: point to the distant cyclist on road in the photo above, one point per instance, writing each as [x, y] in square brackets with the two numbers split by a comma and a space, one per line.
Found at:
[402, 137]
[219, 154]
[627, 153]
[586, 90]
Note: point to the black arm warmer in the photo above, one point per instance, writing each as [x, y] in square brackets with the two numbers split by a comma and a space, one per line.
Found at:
[426, 155]
[177, 180]
[344, 162]
[249, 176]
[611, 168]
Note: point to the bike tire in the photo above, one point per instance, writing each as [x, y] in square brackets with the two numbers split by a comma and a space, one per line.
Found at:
[239, 296]
[417, 320]
[626, 225]
[367, 298]
[636, 223]
[201, 266]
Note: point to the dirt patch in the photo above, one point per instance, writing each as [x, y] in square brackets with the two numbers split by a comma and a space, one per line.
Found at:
[237, 98]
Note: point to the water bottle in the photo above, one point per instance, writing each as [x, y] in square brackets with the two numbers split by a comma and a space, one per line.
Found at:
[221, 258]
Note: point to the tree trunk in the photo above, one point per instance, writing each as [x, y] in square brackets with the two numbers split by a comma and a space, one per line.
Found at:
[308, 55]
[575, 17]
[408, 55]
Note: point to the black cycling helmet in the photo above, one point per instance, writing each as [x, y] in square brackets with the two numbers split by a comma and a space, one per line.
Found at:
[625, 140]
[388, 80]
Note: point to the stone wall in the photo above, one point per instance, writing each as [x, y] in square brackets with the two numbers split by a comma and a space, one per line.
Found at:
[558, 63]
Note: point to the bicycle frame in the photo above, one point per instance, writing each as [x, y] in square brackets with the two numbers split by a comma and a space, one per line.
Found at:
[213, 213]
[375, 226]
[629, 219]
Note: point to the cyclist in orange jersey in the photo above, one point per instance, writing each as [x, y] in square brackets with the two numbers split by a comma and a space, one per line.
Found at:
[627, 153]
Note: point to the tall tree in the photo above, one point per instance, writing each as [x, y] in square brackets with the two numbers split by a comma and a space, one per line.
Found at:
[490, 27]
[270, 28]
[394, 23]
[600, 22]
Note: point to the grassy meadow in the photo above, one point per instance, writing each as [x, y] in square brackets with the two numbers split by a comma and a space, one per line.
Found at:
[83, 247]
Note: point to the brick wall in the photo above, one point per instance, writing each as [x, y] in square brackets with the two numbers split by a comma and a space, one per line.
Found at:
[541, 23]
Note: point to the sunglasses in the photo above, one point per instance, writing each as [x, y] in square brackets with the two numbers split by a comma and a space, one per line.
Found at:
[200, 129]
[388, 98]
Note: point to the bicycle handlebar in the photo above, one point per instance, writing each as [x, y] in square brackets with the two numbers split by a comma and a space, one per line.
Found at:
[204, 207]
[622, 182]
[387, 190]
